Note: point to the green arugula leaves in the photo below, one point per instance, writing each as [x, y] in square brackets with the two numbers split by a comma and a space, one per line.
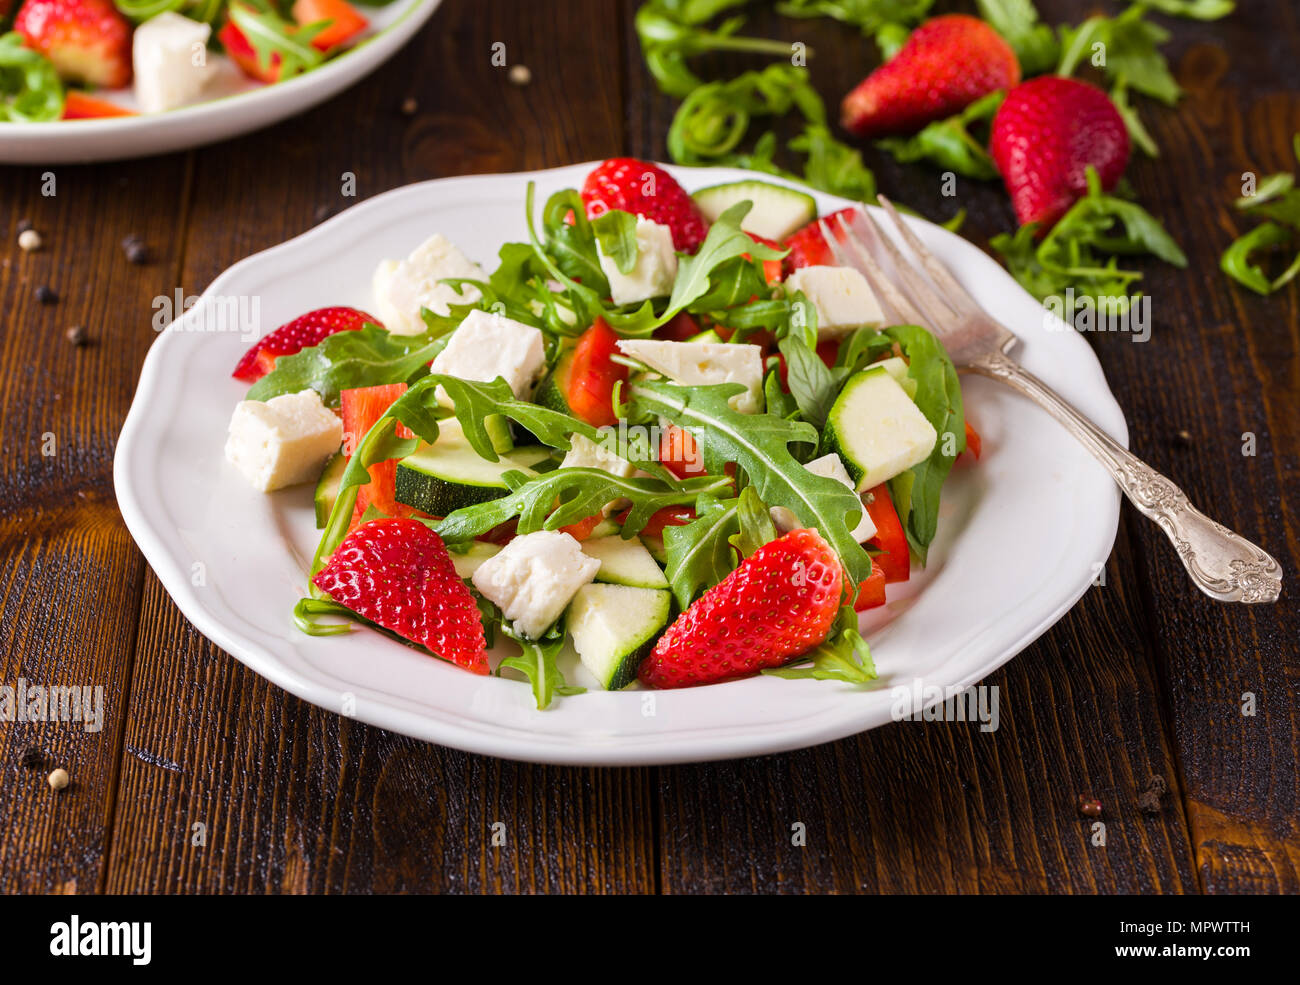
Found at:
[368, 356]
[760, 445]
[844, 656]
[1277, 202]
[537, 663]
[949, 143]
[30, 90]
[1067, 263]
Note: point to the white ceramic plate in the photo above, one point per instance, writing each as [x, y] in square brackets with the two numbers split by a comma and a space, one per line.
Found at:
[1019, 537]
[236, 104]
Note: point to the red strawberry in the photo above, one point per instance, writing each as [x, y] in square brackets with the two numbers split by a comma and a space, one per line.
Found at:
[303, 332]
[86, 40]
[398, 574]
[808, 247]
[779, 603]
[1044, 137]
[947, 64]
[648, 190]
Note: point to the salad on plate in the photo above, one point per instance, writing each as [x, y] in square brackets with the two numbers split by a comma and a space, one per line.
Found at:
[88, 59]
[668, 429]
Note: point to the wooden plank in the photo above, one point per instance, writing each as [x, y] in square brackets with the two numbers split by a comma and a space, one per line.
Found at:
[942, 808]
[295, 799]
[1222, 365]
[69, 574]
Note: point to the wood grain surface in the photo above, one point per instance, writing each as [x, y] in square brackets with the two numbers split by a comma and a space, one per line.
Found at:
[205, 778]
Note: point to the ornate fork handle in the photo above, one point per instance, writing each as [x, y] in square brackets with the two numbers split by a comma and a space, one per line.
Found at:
[1222, 563]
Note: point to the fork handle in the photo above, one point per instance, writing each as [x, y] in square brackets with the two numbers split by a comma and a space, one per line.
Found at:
[1222, 563]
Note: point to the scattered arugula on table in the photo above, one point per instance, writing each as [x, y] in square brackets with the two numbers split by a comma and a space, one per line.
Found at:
[1276, 201]
[1069, 255]
[949, 143]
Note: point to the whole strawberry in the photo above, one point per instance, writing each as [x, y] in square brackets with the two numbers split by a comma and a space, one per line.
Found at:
[947, 64]
[399, 575]
[86, 40]
[303, 332]
[648, 190]
[779, 603]
[1046, 134]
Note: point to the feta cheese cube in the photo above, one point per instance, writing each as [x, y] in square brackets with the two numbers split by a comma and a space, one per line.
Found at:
[170, 61]
[533, 578]
[584, 453]
[703, 363]
[831, 467]
[486, 345]
[655, 269]
[842, 297]
[284, 440]
[403, 287]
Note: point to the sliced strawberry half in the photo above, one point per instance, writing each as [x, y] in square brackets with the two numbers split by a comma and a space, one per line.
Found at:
[303, 332]
[779, 603]
[398, 574]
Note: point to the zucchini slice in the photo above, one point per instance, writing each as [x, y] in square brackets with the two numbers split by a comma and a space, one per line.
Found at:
[624, 562]
[614, 627]
[876, 429]
[778, 211]
[327, 488]
[450, 474]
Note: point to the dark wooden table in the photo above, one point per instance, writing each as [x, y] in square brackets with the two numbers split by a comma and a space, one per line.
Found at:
[205, 778]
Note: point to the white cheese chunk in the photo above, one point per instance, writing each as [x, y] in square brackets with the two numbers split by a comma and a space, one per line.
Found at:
[284, 440]
[842, 297]
[655, 269]
[584, 453]
[170, 62]
[403, 287]
[534, 577]
[703, 363]
[486, 345]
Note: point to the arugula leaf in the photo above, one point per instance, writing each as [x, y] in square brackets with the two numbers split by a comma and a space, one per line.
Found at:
[1201, 10]
[672, 32]
[367, 356]
[760, 445]
[1131, 49]
[572, 245]
[538, 664]
[756, 527]
[555, 499]
[616, 233]
[1237, 260]
[1067, 257]
[271, 35]
[868, 16]
[1137, 130]
[1269, 188]
[700, 553]
[949, 143]
[30, 89]
[1017, 21]
[725, 241]
[938, 396]
[776, 400]
[845, 656]
[813, 385]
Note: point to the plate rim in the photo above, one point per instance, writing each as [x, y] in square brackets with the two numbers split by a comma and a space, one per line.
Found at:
[490, 739]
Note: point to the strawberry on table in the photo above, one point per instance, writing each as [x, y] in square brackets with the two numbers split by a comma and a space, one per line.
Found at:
[303, 332]
[86, 40]
[645, 189]
[399, 575]
[1046, 134]
[779, 603]
[947, 64]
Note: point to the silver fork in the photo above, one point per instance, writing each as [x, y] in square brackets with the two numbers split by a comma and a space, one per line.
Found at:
[1223, 564]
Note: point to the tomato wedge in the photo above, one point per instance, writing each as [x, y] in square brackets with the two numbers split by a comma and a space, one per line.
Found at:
[345, 21]
[973, 443]
[871, 593]
[669, 516]
[78, 106]
[593, 374]
[583, 528]
[679, 453]
[895, 561]
[362, 408]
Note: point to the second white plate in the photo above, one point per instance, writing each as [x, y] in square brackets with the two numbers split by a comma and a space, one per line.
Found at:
[1021, 535]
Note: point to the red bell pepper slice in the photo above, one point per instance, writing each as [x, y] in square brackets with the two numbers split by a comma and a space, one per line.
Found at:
[890, 539]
